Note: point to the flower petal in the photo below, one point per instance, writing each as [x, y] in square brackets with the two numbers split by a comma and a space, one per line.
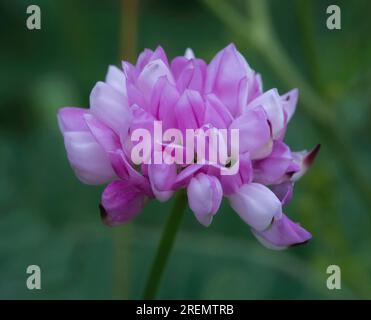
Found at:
[254, 133]
[142, 120]
[164, 97]
[116, 79]
[125, 171]
[273, 168]
[192, 76]
[143, 59]
[72, 119]
[159, 53]
[111, 107]
[178, 64]
[104, 135]
[289, 101]
[216, 113]
[282, 233]
[185, 176]
[87, 158]
[304, 159]
[189, 54]
[162, 196]
[232, 183]
[162, 175]
[283, 191]
[256, 205]
[256, 88]
[150, 75]
[271, 103]
[224, 75]
[148, 55]
[189, 110]
[121, 202]
[204, 197]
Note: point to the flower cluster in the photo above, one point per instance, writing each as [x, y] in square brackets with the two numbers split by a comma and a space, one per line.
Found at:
[189, 94]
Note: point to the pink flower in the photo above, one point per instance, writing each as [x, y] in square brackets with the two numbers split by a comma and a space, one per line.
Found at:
[190, 94]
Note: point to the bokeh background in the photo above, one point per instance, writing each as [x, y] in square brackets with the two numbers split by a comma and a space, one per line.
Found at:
[49, 218]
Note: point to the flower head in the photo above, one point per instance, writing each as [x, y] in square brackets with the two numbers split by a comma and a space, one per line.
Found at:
[186, 94]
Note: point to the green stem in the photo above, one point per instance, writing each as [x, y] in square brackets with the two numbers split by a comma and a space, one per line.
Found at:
[122, 261]
[129, 29]
[165, 246]
[122, 236]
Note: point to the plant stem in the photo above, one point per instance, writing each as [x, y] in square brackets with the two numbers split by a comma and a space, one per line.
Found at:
[165, 246]
[122, 261]
[129, 29]
[122, 236]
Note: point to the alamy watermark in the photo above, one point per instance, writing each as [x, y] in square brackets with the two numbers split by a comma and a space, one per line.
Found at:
[34, 279]
[33, 21]
[205, 146]
[334, 279]
[333, 21]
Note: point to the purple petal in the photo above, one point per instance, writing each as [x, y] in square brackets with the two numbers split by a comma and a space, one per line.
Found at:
[232, 183]
[243, 94]
[143, 59]
[289, 101]
[192, 76]
[87, 158]
[273, 168]
[162, 176]
[131, 72]
[256, 205]
[141, 120]
[224, 74]
[116, 79]
[72, 119]
[189, 110]
[159, 53]
[163, 101]
[304, 159]
[148, 55]
[125, 171]
[185, 176]
[216, 113]
[283, 191]
[178, 65]
[204, 197]
[150, 75]
[104, 135]
[111, 107]
[256, 88]
[271, 103]
[254, 133]
[135, 96]
[162, 196]
[282, 233]
[121, 202]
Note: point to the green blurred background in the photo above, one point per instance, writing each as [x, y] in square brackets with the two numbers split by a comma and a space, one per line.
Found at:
[50, 219]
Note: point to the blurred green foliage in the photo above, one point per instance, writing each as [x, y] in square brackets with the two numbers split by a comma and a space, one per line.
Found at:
[48, 218]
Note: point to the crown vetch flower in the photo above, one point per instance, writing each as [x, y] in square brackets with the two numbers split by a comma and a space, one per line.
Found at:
[190, 94]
